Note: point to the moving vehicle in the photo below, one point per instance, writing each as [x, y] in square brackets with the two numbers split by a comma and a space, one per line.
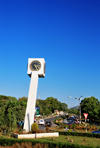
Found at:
[96, 132]
[48, 123]
[41, 121]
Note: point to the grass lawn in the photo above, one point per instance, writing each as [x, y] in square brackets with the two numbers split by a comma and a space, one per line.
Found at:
[89, 141]
[76, 140]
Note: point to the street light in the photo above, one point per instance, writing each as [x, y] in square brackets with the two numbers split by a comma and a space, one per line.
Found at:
[79, 104]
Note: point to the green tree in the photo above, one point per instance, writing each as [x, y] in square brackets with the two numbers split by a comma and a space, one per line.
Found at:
[64, 106]
[4, 99]
[21, 108]
[92, 107]
[23, 99]
[73, 111]
[49, 105]
[9, 120]
[3, 103]
[12, 111]
[53, 103]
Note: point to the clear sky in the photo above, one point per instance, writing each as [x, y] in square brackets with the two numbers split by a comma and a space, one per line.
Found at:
[66, 33]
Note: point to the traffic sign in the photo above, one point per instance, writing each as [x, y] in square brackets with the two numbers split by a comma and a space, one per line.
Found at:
[85, 115]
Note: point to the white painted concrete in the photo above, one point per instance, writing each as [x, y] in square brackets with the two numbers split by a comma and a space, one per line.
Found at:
[40, 135]
[40, 72]
[24, 136]
[30, 110]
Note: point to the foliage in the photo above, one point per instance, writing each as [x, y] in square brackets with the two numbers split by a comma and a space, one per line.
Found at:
[47, 128]
[82, 127]
[11, 112]
[64, 106]
[73, 111]
[34, 128]
[57, 122]
[91, 105]
[80, 134]
[9, 119]
[49, 105]
[27, 145]
[23, 99]
[64, 117]
[4, 99]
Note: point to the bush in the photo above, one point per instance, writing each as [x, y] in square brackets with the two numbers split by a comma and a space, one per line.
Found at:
[34, 128]
[47, 128]
[64, 117]
[80, 134]
[73, 126]
[82, 126]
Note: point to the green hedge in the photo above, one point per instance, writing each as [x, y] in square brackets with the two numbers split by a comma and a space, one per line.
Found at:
[51, 144]
[80, 134]
[11, 141]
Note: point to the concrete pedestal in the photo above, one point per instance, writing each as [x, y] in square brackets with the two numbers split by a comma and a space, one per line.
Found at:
[40, 135]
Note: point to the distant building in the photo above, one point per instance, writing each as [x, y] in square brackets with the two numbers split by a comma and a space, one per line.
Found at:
[61, 113]
[56, 112]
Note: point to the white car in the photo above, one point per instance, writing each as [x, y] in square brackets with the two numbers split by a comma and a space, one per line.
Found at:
[41, 121]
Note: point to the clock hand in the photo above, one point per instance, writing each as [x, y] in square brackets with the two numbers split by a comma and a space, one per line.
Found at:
[36, 66]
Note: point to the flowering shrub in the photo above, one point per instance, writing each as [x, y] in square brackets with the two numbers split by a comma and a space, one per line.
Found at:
[82, 126]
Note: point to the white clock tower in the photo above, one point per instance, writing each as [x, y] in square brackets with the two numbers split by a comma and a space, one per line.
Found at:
[36, 68]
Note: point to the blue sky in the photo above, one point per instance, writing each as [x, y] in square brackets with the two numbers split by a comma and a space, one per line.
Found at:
[65, 33]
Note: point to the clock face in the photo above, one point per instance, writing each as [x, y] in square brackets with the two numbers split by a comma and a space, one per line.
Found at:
[35, 65]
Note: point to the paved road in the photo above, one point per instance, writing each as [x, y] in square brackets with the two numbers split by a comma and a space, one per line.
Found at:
[42, 127]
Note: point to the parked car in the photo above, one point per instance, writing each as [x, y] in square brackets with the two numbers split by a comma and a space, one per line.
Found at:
[48, 123]
[96, 132]
[70, 119]
[41, 121]
[70, 123]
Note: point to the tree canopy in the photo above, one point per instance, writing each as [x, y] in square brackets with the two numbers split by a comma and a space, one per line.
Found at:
[73, 111]
[11, 111]
[49, 105]
[91, 105]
